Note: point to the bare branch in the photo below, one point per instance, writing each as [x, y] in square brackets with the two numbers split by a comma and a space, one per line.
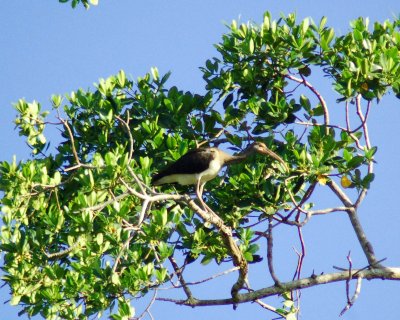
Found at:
[71, 136]
[363, 119]
[268, 307]
[350, 303]
[124, 247]
[340, 194]
[373, 273]
[317, 94]
[233, 249]
[355, 222]
[178, 272]
[147, 310]
[74, 152]
[203, 280]
[61, 254]
[128, 131]
[270, 244]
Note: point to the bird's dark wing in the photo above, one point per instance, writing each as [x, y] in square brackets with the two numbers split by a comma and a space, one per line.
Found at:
[194, 161]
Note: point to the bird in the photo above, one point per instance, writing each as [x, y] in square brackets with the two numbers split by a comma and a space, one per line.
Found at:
[201, 165]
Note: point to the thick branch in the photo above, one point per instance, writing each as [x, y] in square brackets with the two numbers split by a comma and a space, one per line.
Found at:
[362, 238]
[178, 272]
[374, 273]
[233, 248]
[355, 222]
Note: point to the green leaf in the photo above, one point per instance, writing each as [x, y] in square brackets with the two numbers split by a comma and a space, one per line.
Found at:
[154, 73]
[355, 162]
[121, 78]
[115, 279]
[318, 111]
[251, 46]
[369, 153]
[305, 102]
[15, 300]
[228, 100]
[161, 274]
[367, 180]
[206, 260]
[99, 239]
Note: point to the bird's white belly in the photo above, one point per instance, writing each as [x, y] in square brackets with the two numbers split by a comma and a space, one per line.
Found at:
[190, 178]
[211, 172]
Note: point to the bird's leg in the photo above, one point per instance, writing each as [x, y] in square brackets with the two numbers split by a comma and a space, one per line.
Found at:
[202, 189]
[199, 193]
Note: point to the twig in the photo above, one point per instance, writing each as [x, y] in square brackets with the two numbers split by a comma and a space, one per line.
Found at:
[316, 124]
[128, 131]
[347, 116]
[317, 94]
[101, 206]
[139, 182]
[61, 254]
[363, 120]
[182, 281]
[71, 136]
[368, 145]
[350, 301]
[359, 270]
[203, 280]
[74, 152]
[268, 307]
[270, 244]
[124, 246]
[309, 214]
[348, 280]
[301, 255]
[147, 310]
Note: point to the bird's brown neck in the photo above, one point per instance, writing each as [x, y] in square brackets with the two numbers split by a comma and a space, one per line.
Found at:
[236, 158]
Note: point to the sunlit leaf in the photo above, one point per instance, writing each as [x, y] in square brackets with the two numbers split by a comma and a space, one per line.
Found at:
[345, 182]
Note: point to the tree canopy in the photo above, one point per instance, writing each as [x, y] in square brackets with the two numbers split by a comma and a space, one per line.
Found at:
[83, 229]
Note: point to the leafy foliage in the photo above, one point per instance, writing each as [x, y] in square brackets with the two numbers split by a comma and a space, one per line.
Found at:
[85, 3]
[78, 240]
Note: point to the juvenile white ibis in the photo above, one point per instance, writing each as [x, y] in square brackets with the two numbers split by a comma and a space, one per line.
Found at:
[203, 164]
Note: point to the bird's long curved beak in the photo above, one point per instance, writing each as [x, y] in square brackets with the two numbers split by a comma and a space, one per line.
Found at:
[270, 153]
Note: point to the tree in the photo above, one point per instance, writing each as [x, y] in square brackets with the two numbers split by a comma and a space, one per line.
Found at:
[84, 231]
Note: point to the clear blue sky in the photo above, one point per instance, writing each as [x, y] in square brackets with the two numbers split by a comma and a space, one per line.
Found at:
[48, 48]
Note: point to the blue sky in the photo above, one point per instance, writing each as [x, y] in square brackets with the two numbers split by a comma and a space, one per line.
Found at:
[47, 48]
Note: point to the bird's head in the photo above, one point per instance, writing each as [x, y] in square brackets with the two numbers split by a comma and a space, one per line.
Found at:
[258, 147]
[261, 148]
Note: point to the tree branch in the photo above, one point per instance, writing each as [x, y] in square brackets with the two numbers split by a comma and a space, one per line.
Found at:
[233, 249]
[355, 222]
[373, 273]
[182, 281]
[270, 245]
[317, 94]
